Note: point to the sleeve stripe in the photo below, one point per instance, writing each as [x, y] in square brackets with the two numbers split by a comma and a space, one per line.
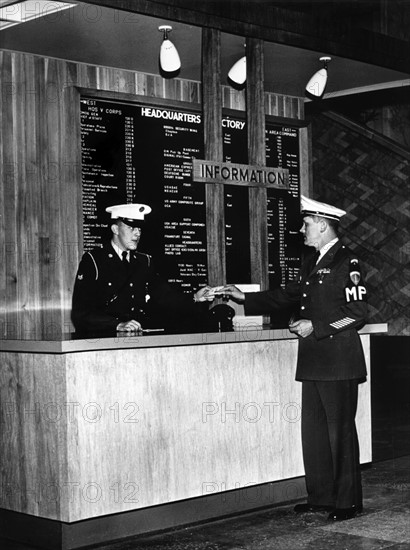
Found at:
[342, 322]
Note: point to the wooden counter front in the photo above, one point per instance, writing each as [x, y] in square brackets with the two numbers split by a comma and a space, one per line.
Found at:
[89, 433]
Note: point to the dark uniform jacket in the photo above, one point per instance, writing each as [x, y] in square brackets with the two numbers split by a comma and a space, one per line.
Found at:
[106, 292]
[332, 295]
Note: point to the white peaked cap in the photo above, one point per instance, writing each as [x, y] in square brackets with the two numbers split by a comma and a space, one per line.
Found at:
[316, 208]
[129, 211]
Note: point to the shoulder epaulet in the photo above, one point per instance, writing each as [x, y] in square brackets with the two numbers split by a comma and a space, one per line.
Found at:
[147, 256]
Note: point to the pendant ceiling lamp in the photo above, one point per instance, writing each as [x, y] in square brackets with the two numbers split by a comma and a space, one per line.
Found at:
[168, 55]
[237, 73]
[316, 86]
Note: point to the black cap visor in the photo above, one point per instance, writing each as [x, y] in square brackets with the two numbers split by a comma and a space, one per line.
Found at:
[131, 222]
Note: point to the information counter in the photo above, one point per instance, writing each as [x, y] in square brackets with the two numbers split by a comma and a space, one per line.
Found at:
[109, 437]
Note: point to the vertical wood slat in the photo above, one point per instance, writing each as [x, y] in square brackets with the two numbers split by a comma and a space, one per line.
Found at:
[45, 176]
[212, 123]
[257, 156]
[8, 186]
[70, 202]
[28, 203]
[305, 155]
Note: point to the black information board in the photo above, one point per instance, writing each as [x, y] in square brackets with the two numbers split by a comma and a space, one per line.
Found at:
[284, 243]
[134, 153]
[282, 151]
[143, 153]
[236, 203]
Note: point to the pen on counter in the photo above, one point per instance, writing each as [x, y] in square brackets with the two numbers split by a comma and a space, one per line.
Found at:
[152, 329]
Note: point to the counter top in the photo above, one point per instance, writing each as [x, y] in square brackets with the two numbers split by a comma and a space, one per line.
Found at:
[70, 343]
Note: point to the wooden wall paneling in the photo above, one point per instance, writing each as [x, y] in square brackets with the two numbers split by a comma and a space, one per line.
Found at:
[70, 200]
[257, 156]
[212, 123]
[170, 88]
[284, 106]
[8, 187]
[2, 210]
[183, 90]
[140, 84]
[233, 99]
[46, 168]
[305, 147]
[195, 95]
[87, 76]
[29, 201]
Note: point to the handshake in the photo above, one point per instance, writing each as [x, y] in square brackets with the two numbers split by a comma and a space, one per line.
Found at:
[227, 292]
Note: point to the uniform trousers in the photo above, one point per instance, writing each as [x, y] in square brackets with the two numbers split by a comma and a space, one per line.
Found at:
[330, 443]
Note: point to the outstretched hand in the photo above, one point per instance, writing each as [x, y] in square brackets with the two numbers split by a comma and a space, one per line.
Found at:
[204, 294]
[231, 291]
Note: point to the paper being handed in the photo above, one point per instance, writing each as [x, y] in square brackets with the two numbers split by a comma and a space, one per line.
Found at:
[215, 291]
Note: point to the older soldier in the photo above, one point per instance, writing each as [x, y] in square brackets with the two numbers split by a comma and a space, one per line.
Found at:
[332, 306]
[117, 287]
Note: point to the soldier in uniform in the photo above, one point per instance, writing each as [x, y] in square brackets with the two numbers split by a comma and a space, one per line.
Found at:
[117, 287]
[331, 298]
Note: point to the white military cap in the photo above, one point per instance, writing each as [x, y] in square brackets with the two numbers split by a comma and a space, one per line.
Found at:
[131, 214]
[310, 207]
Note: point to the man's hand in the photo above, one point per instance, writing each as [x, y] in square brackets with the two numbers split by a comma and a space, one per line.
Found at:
[231, 291]
[204, 294]
[129, 326]
[302, 328]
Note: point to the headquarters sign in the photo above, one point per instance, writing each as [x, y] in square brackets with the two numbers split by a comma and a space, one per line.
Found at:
[208, 171]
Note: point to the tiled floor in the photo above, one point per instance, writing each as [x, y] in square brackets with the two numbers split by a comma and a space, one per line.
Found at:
[383, 525]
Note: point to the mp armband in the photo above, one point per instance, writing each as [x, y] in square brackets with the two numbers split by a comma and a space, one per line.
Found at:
[354, 291]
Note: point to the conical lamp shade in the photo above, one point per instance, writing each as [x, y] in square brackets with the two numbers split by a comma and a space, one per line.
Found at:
[169, 57]
[238, 71]
[317, 84]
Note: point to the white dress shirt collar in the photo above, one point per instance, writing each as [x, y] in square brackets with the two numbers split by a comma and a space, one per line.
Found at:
[326, 248]
[119, 251]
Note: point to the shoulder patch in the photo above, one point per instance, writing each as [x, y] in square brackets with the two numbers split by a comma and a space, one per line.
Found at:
[354, 291]
[354, 271]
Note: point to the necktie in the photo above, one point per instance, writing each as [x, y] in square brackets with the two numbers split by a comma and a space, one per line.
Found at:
[124, 259]
[313, 261]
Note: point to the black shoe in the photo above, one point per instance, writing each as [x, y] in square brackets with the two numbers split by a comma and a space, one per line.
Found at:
[306, 507]
[341, 514]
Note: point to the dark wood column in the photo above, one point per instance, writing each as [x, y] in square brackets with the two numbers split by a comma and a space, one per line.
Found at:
[212, 113]
[255, 111]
